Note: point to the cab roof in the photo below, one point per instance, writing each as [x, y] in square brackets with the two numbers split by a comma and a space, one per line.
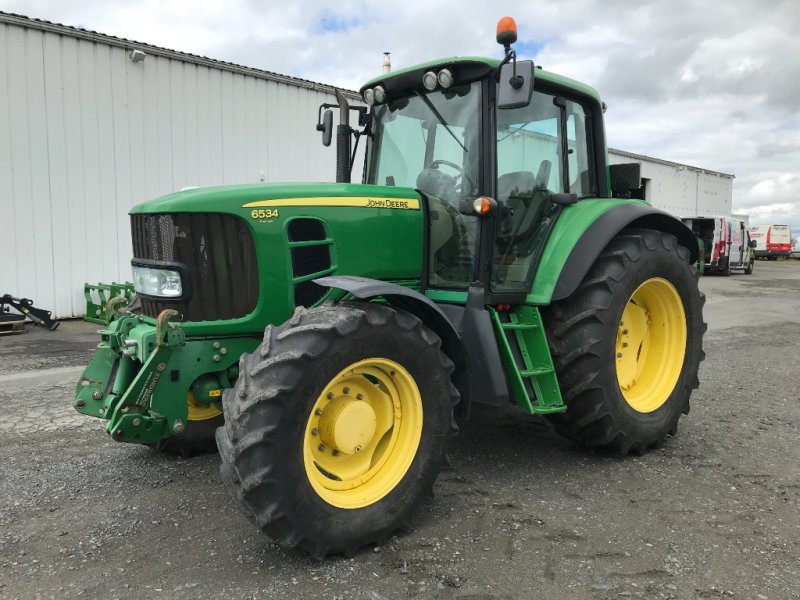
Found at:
[466, 68]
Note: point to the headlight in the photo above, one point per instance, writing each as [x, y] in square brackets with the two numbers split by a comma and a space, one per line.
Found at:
[157, 281]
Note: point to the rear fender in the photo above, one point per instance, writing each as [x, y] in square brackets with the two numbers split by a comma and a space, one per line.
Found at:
[583, 231]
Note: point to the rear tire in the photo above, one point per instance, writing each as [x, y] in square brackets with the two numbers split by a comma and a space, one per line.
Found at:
[644, 274]
[282, 426]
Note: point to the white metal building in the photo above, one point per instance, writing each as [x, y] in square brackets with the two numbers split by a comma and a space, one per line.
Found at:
[91, 125]
[87, 130]
[681, 190]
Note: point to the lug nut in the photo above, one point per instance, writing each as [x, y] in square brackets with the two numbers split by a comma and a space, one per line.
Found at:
[215, 358]
[330, 395]
[318, 412]
[216, 345]
[359, 396]
[223, 350]
[315, 431]
[346, 391]
[321, 447]
[85, 383]
[80, 404]
[97, 394]
[335, 453]
[624, 344]
[624, 332]
[619, 354]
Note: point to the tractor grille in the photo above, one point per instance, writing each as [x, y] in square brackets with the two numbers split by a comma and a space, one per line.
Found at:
[308, 258]
[219, 252]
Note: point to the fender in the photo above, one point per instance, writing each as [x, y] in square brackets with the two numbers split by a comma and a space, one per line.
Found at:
[420, 306]
[579, 239]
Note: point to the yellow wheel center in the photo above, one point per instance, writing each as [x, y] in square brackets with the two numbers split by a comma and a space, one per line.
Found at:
[348, 425]
[363, 433]
[651, 345]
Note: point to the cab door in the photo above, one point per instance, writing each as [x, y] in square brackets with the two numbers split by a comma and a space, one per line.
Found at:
[542, 149]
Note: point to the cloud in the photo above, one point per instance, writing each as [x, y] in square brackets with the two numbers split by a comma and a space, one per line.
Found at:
[712, 85]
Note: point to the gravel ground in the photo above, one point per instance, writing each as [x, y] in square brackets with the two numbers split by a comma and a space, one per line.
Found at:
[521, 513]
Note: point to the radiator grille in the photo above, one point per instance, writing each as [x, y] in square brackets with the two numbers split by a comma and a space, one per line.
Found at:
[219, 252]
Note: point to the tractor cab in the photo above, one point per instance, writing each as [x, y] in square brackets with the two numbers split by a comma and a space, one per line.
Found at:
[494, 156]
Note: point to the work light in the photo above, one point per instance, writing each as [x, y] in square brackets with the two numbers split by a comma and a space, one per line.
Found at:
[445, 78]
[429, 81]
[380, 94]
[369, 97]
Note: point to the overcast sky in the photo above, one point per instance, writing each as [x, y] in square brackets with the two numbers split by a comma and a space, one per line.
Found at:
[711, 84]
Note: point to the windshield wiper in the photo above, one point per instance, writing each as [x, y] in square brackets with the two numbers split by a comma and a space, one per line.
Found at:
[436, 114]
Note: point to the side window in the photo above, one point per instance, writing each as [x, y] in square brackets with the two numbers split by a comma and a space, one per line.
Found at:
[530, 167]
[580, 176]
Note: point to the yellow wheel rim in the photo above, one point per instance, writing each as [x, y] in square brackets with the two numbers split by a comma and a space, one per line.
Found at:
[651, 345]
[201, 412]
[363, 433]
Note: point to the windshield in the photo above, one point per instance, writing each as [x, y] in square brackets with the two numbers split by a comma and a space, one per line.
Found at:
[432, 132]
[430, 142]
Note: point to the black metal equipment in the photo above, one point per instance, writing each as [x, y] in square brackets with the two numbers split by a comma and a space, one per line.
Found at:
[39, 316]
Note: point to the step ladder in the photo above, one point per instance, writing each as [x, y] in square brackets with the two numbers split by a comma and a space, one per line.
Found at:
[525, 355]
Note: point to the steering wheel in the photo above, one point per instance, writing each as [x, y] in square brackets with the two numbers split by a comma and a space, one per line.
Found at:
[438, 162]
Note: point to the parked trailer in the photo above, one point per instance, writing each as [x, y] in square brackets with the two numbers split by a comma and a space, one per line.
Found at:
[725, 243]
[772, 241]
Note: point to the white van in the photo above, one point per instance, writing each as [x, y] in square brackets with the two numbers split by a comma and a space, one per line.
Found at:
[772, 241]
[725, 243]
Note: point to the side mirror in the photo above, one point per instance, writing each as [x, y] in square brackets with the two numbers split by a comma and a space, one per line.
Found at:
[624, 178]
[516, 84]
[326, 127]
[753, 243]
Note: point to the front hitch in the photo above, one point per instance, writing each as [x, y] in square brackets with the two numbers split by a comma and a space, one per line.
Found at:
[141, 375]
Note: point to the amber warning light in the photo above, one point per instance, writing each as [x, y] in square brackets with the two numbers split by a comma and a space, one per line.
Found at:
[483, 206]
[506, 31]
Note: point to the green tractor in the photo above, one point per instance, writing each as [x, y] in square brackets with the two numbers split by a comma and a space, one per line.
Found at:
[327, 337]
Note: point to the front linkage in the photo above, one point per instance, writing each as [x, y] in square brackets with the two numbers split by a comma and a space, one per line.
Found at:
[144, 373]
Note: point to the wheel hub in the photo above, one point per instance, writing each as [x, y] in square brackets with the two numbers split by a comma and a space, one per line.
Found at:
[348, 425]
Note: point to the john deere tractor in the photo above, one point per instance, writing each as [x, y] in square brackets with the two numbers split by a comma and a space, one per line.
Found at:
[327, 337]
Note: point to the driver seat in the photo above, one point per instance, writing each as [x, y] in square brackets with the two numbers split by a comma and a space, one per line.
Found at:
[517, 191]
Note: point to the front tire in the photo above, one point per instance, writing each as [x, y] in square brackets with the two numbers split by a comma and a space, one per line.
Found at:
[749, 268]
[627, 344]
[202, 423]
[338, 426]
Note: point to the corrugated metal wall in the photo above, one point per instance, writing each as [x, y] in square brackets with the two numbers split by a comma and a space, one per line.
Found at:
[681, 190]
[86, 133]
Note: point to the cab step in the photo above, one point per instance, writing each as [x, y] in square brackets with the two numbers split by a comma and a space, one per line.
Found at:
[526, 358]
